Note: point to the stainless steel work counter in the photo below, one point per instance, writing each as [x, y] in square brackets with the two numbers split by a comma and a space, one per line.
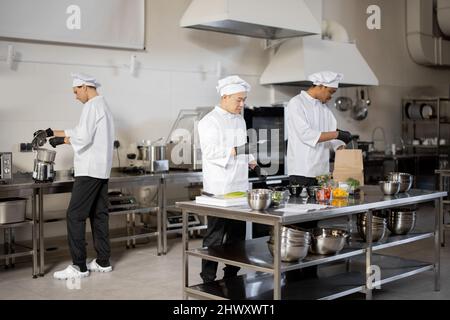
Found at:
[253, 254]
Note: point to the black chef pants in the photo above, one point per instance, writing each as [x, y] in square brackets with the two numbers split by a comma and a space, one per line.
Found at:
[218, 229]
[89, 200]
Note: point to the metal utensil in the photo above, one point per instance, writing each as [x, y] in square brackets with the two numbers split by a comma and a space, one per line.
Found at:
[39, 139]
[360, 110]
[45, 155]
[343, 103]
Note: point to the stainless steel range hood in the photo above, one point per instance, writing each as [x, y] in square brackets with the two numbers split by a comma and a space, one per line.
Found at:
[300, 57]
[267, 19]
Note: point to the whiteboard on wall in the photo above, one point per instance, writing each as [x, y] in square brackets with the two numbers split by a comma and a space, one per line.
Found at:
[104, 23]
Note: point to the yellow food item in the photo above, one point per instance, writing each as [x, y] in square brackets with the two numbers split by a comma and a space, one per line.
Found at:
[339, 203]
[340, 193]
[233, 195]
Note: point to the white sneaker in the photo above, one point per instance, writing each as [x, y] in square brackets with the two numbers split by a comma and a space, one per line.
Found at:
[70, 272]
[95, 267]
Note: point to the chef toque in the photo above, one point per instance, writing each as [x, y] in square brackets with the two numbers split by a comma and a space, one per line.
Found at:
[80, 79]
[231, 85]
[326, 78]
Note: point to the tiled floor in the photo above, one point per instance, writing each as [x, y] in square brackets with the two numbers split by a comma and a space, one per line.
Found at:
[140, 274]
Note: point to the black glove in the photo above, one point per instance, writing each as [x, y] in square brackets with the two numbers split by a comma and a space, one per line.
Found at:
[244, 149]
[260, 173]
[56, 141]
[344, 136]
[48, 133]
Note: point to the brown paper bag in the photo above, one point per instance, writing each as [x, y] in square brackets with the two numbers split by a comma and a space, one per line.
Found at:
[348, 164]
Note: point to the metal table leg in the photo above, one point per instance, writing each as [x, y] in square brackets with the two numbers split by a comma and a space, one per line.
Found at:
[34, 234]
[12, 248]
[441, 213]
[185, 241]
[6, 246]
[277, 262]
[369, 283]
[164, 218]
[437, 245]
[41, 233]
[158, 221]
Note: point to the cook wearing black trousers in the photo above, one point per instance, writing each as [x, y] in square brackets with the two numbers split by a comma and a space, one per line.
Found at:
[92, 141]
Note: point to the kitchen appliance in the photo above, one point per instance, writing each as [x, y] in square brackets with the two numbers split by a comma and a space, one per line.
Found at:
[5, 167]
[43, 169]
[120, 202]
[153, 156]
[267, 135]
[183, 145]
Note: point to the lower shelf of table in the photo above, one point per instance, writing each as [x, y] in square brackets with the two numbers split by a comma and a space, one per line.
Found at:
[139, 232]
[260, 286]
[19, 251]
[254, 254]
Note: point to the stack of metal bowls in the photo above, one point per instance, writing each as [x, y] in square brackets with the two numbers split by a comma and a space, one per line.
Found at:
[259, 199]
[295, 243]
[405, 180]
[401, 221]
[378, 227]
[328, 240]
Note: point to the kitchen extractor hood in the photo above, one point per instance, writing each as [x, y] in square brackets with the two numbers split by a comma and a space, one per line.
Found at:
[297, 58]
[267, 19]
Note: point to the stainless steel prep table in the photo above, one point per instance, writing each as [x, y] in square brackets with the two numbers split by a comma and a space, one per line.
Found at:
[22, 185]
[185, 177]
[254, 255]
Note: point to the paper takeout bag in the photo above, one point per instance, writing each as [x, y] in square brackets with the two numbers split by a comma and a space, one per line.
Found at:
[349, 164]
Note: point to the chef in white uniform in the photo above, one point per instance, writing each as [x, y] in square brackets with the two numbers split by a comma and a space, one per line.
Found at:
[225, 163]
[312, 133]
[312, 130]
[92, 142]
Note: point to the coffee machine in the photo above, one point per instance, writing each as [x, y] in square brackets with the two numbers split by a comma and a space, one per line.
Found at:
[43, 170]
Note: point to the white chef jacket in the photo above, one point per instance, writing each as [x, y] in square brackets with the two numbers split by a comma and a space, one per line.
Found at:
[307, 118]
[220, 131]
[93, 139]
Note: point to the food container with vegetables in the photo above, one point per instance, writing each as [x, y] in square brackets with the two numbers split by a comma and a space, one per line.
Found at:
[280, 198]
[323, 194]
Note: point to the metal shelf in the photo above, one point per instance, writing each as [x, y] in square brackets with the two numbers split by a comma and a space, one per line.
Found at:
[260, 286]
[140, 232]
[139, 210]
[195, 228]
[254, 254]
[16, 224]
[20, 251]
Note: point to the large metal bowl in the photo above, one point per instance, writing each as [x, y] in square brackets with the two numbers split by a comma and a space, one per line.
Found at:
[377, 232]
[290, 252]
[401, 222]
[389, 188]
[406, 180]
[259, 199]
[326, 241]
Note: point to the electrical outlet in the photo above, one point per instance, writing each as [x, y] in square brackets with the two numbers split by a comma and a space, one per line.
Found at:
[116, 144]
[26, 147]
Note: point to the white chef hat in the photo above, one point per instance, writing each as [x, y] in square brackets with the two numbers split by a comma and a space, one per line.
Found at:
[326, 78]
[80, 79]
[232, 85]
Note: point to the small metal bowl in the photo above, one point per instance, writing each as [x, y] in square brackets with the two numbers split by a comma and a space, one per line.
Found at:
[259, 199]
[389, 188]
[406, 180]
